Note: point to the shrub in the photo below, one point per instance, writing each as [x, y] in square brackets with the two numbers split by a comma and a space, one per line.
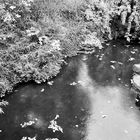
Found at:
[37, 35]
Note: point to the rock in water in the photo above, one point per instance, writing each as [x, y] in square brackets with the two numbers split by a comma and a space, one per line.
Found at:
[136, 68]
[136, 81]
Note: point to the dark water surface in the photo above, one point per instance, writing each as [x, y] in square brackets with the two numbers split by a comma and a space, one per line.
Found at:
[91, 99]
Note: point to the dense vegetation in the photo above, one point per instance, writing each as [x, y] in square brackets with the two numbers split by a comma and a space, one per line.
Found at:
[36, 35]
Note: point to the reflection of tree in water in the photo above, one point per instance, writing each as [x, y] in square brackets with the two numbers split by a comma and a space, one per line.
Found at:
[34, 110]
[39, 122]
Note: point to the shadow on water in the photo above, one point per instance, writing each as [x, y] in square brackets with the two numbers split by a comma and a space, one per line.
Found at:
[38, 105]
[90, 99]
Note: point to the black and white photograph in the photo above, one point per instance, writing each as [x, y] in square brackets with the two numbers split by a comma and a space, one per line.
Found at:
[69, 69]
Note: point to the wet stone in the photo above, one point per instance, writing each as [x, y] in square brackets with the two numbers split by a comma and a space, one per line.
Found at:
[136, 81]
[136, 68]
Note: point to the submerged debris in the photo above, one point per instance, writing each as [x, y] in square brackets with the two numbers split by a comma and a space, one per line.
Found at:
[28, 138]
[25, 124]
[53, 125]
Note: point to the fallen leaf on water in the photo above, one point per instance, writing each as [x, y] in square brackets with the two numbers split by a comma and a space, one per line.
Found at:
[73, 83]
[131, 59]
[76, 125]
[113, 61]
[54, 126]
[132, 52]
[50, 83]
[42, 89]
[112, 67]
[136, 100]
[28, 138]
[25, 124]
[107, 44]
[120, 63]
[104, 116]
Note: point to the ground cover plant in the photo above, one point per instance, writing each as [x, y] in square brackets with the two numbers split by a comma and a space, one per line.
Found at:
[37, 35]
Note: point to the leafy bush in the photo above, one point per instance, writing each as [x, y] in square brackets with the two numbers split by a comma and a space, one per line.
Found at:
[37, 35]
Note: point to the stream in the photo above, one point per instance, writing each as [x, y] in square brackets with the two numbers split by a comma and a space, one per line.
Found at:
[91, 99]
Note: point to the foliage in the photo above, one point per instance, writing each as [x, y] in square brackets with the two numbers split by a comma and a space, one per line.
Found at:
[25, 53]
[37, 35]
[2, 103]
[126, 16]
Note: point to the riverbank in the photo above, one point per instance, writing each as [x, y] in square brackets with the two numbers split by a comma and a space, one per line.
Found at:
[37, 36]
[90, 93]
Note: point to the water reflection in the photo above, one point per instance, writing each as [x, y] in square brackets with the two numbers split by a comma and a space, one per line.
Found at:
[90, 99]
[34, 109]
[109, 119]
[113, 114]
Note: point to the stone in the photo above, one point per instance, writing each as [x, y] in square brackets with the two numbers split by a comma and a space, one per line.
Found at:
[136, 81]
[136, 68]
